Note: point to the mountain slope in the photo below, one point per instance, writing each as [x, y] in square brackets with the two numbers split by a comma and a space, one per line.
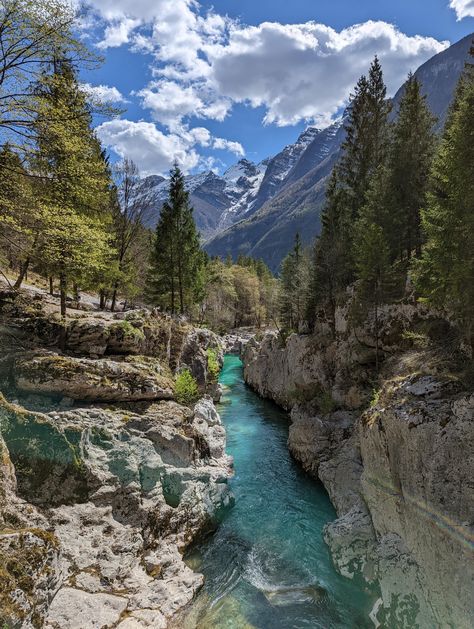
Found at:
[298, 199]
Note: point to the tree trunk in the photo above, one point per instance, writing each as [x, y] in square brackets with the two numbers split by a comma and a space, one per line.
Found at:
[75, 289]
[51, 286]
[114, 297]
[376, 339]
[63, 294]
[23, 272]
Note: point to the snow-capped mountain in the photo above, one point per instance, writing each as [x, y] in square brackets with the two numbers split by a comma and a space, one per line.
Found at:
[290, 198]
[221, 201]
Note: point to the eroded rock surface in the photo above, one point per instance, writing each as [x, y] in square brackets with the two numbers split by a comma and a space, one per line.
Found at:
[396, 457]
[105, 480]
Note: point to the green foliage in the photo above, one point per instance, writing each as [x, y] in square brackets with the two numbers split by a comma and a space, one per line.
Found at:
[213, 367]
[409, 163]
[129, 330]
[186, 388]
[364, 149]
[293, 284]
[175, 274]
[242, 294]
[32, 32]
[376, 393]
[445, 273]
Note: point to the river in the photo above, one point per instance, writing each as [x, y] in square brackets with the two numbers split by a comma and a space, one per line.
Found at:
[267, 566]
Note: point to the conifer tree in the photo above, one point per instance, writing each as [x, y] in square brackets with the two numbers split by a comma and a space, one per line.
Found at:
[364, 149]
[409, 165]
[366, 143]
[372, 265]
[292, 298]
[445, 273]
[176, 261]
[19, 219]
[75, 191]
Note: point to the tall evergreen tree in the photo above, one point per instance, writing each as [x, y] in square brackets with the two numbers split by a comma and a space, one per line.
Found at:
[292, 287]
[176, 261]
[19, 219]
[364, 149]
[372, 265]
[366, 143]
[75, 190]
[445, 273]
[409, 165]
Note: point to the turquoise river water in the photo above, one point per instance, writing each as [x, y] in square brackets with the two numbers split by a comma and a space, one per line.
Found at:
[267, 566]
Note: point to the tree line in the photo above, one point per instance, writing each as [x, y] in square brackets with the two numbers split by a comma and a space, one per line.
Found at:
[399, 215]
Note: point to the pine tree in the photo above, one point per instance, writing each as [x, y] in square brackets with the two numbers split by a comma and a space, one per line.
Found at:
[364, 149]
[19, 219]
[75, 191]
[366, 143]
[409, 165]
[445, 273]
[175, 274]
[292, 296]
[372, 272]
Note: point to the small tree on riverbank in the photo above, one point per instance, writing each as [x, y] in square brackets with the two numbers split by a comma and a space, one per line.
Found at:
[177, 259]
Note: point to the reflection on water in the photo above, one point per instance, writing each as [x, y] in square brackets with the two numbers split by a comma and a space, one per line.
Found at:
[267, 567]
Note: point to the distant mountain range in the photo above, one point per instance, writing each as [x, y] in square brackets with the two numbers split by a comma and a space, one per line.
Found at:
[256, 209]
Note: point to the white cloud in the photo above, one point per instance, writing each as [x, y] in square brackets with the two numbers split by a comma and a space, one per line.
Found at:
[103, 93]
[228, 145]
[153, 151]
[307, 71]
[170, 102]
[118, 33]
[205, 63]
[463, 8]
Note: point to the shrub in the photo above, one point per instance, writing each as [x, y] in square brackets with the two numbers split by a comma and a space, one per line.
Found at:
[129, 330]
[213, 367]
[186, 388]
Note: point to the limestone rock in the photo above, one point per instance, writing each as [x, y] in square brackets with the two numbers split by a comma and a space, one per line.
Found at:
[418, 451]
[125, 493]
[400, 473]
[76, 609]
[94, 380]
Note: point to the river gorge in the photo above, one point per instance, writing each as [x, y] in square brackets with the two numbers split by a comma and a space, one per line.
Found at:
[267, 566]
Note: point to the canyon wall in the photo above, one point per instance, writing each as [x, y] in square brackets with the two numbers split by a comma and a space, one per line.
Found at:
[394, 451]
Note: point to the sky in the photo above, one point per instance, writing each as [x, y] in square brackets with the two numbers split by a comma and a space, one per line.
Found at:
[208, 83]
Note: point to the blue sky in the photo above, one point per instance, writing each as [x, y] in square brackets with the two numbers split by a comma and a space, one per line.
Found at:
[208, 83]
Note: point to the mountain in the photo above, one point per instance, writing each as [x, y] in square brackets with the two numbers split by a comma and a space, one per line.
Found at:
[218, 201]
[292, 191]
[439, 77]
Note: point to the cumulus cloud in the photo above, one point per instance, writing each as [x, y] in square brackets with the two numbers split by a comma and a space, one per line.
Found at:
[103, 93]
[171, 101]
[228, 145]
[307, 71]
[204, 63]
[463, 8]
[154, 151]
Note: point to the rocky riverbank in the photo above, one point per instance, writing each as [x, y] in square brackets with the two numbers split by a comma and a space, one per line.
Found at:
[394, 451]
[105, 479]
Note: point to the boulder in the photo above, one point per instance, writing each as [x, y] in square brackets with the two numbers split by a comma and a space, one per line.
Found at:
[125, 493]
[92, 380]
